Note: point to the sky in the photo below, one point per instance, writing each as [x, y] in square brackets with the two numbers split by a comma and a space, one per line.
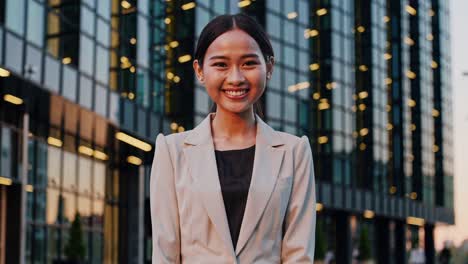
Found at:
[459, 45]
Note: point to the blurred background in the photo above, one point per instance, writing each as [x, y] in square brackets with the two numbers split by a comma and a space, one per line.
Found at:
[379, 87]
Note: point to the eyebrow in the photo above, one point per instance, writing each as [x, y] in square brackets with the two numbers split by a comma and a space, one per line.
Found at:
[250, 55]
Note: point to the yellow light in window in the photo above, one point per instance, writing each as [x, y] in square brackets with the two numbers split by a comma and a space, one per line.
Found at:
[174, 44]
[85, 150]
[322, 139]
[362, 107]
[292, 15]
[316, 96]
[4, 72]
[387, 56]
[331, 85]
[415, 221]
[133, 41]
[125, 4]
[409, 41]
[310, 33]
[167, 21]
[132, 69]
[318, 207]
[389, 126]
[131, 96]
[363, 68]
[413, 195]
[355, 97]
[413, 127]
[185, 58]
[386, 19]
[363, 94]
[298, 86]
[176, 79]
[323, 104]
[411, 10]
[435, 113]
[355, 134]
[174, 125]
[434, 65]
[100, 155]
[66, 60]
[363, 132]
[134, 160]
[430, 37]
[410, 74]
[170, 75]
[388, 81]
[5, 181]
[54, 142]
[431, 12]
[12, 99]
[29, 188]
[181, 129]
[369, 214]
[411, 103]
[393, 189]
[411, 157]
[321, 12]
[362, 146]
[314, 66]
[133, 141]
[388, 108]
[361, 29]
[244, 3]
[123, 59]
[435, 148]
[188, 6]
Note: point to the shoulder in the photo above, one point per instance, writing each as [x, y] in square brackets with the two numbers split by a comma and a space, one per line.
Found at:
[293, 141]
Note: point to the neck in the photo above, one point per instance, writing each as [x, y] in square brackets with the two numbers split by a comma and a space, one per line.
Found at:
[233, 125]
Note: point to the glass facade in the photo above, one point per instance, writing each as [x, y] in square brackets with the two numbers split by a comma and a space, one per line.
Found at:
[367, 81]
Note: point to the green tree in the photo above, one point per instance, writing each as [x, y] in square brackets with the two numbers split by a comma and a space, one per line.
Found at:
[75, 249]
[320, 241]
[364, 244]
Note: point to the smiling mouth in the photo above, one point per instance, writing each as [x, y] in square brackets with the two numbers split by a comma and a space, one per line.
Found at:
[236, 93]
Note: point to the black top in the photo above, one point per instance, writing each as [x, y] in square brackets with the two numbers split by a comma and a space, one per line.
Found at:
[235, 172]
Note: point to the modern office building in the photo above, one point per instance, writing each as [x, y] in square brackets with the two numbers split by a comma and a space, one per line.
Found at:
[87, 85]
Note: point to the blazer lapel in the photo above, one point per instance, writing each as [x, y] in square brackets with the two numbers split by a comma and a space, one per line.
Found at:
[267, 163]
[202, 162]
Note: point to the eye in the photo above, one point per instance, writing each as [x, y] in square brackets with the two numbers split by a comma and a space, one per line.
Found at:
[219, 64]
[251, 63]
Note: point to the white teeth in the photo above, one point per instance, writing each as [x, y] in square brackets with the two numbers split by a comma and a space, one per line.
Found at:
[236, 93]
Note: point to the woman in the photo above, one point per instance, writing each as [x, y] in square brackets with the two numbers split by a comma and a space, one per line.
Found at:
[233, 190]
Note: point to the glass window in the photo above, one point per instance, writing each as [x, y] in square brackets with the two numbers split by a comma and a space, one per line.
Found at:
[69, 208]
[14, 53]
[290, 109]
[143, 42]
[84, 180]
[15, 15]
[69, 171]
[273, 106]
[142, 91]
[114, 107]
[99, 179]
[103, 32]
[102, 64]
[52, 206]
[33, 66]
[52, 68]
[86, 55]
[69, 83]
[274, 26]
[89, 2]
[100, 102]
[86, 92]
[202, 102]
[6, 157]
[36, 23]
[104, 8]
[87, 20]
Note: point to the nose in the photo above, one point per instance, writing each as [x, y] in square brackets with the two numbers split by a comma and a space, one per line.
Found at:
[235, 76]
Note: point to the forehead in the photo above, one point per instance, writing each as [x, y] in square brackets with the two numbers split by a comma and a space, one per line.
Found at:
[233, 42]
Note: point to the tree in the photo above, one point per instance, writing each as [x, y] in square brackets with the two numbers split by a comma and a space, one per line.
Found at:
[320, 242]
[364, 245]
[75, 249]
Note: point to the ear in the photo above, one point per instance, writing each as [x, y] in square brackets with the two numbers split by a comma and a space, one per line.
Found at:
[198, 71]
[269, 66]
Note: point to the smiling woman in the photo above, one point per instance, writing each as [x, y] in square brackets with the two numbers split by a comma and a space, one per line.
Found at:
[233, 190]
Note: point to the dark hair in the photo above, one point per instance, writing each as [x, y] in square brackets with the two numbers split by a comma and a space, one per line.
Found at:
[224, 23]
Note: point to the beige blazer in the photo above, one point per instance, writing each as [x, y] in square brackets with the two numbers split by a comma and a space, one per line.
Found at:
[188, 218]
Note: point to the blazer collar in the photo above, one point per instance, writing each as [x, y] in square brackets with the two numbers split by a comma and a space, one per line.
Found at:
[201, 134]
[202, 162]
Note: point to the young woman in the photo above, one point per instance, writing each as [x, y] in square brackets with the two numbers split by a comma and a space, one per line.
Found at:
[233, 190]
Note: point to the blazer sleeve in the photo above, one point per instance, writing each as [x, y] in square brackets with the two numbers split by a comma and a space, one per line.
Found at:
[299, 224]
[164, 209]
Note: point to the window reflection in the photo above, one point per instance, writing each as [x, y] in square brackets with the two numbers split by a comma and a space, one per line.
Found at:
[35, 23]
[53, 206]
[14, 12]
[69, 171]
[14, 53]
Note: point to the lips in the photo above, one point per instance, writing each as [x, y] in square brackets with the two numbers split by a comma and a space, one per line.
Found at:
[236, 93]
